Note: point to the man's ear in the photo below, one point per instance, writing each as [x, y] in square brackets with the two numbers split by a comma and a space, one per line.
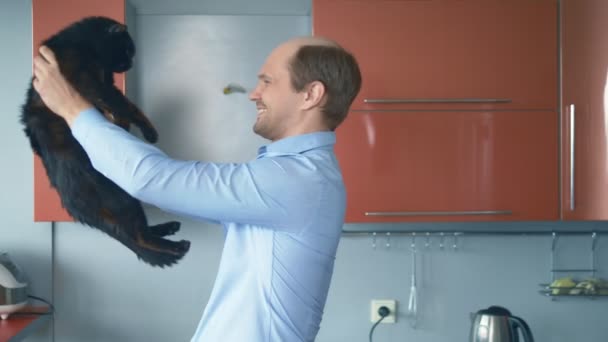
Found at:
[313, 95]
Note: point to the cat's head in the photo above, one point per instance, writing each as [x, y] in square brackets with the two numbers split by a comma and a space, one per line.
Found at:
[111, 42]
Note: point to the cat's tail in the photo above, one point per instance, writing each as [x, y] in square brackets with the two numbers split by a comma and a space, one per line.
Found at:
[152, 248]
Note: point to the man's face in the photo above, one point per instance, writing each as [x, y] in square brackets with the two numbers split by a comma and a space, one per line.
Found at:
[276, 101]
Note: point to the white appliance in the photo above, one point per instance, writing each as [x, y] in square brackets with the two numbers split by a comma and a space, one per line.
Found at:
[13, 287]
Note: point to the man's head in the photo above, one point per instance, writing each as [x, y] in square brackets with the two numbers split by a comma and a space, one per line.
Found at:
[306, 85]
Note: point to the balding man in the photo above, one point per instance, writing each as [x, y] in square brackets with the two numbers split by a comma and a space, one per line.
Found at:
[282, 212]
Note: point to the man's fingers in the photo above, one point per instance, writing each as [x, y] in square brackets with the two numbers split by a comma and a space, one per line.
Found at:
[40, 66]
[40, 71]
[48, 55]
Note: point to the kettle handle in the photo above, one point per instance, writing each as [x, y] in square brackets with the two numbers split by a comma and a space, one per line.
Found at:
[523, 326]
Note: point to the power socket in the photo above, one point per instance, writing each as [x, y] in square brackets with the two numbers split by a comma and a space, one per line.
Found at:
[376, 304]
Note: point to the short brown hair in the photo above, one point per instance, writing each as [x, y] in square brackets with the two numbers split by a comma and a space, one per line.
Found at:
[336, 69]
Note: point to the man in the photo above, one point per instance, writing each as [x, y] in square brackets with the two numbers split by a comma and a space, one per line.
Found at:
[282, 212]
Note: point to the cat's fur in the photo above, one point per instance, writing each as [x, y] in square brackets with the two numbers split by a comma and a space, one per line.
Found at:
[88, 53]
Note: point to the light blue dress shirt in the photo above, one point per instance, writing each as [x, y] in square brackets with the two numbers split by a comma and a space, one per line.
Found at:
[282, 214]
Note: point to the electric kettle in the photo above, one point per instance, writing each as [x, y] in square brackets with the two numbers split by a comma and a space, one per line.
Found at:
[496, 324]
[13, 287]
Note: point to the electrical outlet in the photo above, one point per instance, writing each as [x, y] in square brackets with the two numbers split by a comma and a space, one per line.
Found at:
[391, 304]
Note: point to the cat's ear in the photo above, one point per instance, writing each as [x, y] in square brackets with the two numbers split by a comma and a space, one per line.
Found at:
[117, 28]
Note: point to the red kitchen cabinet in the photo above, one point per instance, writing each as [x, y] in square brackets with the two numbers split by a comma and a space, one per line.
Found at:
[449, 166]
[457, 116]
[48, 17]
[490, 53]
[584, 109]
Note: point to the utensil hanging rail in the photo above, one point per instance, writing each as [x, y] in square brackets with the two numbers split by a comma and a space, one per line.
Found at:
[474, 232]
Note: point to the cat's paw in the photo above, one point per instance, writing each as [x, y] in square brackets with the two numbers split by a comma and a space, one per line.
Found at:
[183, 246]
[160, 252]
[165, 229]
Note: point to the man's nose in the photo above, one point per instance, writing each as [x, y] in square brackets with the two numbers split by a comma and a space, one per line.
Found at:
[254, 95]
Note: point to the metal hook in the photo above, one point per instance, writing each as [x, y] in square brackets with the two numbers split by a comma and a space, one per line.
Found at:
[554, 241]
[427, 244]
[388, 240]
[593, 243]
[455, 245]
[374, 240]
[553, 244]
[413, 244]
[441, 245]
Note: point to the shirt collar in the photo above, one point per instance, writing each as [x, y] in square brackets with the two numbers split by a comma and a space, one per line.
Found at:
[299, 143]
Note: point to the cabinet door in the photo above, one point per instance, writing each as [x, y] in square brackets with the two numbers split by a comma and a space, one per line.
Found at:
[449, 165]
[48, 17]
[467, 50]
[584, 106]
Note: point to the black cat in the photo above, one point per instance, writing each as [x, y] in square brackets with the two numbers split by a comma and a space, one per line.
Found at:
[88, 53]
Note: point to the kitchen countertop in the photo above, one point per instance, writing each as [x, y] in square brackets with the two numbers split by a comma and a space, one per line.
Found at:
[18, 327]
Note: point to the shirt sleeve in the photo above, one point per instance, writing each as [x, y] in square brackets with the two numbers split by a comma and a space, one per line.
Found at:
[260, 192]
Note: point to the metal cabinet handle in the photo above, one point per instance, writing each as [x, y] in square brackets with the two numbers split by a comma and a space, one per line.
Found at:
[457, 100]
[572, 155]
[437, 213]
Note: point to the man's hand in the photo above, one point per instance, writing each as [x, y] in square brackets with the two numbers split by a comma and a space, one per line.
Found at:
[53, 88]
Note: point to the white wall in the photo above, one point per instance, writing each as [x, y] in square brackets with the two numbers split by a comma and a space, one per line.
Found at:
[483, 271]
[28, 243]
